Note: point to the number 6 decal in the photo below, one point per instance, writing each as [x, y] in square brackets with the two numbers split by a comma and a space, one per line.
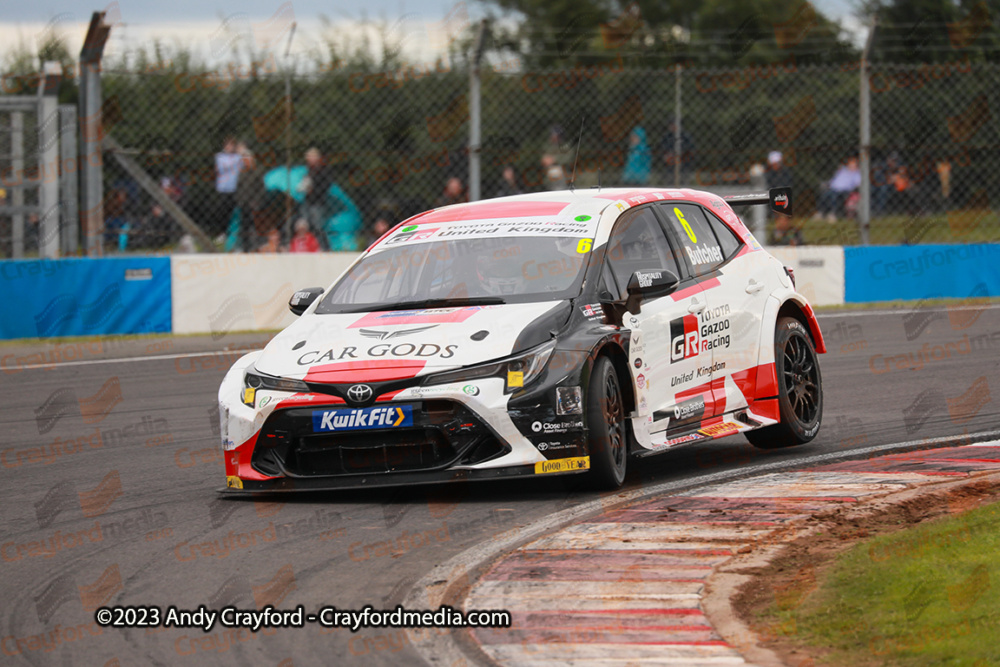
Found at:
[685, 225]
[584, 245]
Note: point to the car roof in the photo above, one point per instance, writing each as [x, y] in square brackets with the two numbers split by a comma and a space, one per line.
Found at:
[554, 206]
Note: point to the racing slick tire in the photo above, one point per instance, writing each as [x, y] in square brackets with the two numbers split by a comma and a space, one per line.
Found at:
[608, 432]
[800, 389]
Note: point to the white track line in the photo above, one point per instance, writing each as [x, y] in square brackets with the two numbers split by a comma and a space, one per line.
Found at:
[124, 360]
[443, 649]
[192, 355]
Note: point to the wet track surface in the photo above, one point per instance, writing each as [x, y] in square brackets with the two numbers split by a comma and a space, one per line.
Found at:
[111, 471]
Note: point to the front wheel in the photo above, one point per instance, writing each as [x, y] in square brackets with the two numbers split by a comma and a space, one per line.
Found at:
[606, 423]
[800, 389]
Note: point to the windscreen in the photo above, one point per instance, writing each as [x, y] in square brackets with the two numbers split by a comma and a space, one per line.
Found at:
[494, 270]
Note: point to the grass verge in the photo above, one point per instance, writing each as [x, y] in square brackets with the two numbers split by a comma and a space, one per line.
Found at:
[928, 595]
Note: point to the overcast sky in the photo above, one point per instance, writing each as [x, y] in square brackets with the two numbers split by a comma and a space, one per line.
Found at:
[211, 27]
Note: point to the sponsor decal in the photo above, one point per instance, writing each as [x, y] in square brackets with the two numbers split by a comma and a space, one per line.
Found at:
[425, 316]
[704, 254]
[383, 335]
[720, 430]
[781, 200]
[264, 401]
[684, 338]
[362, 418]
[582, 218]
[544, 446]
[638, 362]
[414, 234]
[640, 381]
[563, 465]
[471, 390]
[592, 310]
[379, 350]
[556, 427]
[233, 482]
[689, 409]
[359, 393]
[646, 278]
[691, 437]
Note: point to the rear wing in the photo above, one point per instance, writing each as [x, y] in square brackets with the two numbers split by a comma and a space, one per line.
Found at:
[779, 199]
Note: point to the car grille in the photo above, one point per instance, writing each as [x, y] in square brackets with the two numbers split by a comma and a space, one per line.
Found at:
[443, 433]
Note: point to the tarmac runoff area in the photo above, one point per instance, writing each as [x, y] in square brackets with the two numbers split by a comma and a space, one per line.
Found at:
[647, 583]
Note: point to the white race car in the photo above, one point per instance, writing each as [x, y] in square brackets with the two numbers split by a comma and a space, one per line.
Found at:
[551, 333]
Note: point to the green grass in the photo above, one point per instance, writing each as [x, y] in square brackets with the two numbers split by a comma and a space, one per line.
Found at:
[954, 227]
[929, 595]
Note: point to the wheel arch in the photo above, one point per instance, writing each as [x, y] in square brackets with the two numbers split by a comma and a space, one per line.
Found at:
[803, 312]
[619, 361]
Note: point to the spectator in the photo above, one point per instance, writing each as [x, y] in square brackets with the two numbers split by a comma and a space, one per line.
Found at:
[454, 193]
[304, 240]
[273, 243]
[344, 225]
[778, 175]
[668, 149]
[315, 189]
[228, 164]
[553, 160]
[638, 162]
[845, 181]
[510, 182]
[250, 201]
[784, 233]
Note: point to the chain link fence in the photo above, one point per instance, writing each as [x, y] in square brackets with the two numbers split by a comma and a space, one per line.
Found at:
[233, 148]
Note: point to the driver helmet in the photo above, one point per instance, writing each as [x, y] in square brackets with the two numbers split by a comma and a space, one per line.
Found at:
[498, 277]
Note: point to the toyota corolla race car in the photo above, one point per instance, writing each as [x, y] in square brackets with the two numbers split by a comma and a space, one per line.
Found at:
[542, 334]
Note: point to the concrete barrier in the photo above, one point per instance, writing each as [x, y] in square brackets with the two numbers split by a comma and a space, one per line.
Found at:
[218, 294]
[819, 271]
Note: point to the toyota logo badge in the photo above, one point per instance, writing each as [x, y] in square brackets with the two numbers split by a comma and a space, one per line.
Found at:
[359, 393]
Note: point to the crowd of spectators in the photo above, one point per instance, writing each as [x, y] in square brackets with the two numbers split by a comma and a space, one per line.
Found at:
[315, 205]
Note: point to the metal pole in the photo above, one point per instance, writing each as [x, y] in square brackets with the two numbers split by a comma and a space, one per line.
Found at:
[288, 139]
[17, 193]
[475, 117]
[91, 160]
[67, 178]
[678, 144]
[48, 162]
[864, 205]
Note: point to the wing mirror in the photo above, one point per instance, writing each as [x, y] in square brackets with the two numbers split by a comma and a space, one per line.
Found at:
[648, 284]
[304, 298]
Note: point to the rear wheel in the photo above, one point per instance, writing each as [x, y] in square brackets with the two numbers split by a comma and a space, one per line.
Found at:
[800, 389]
[606, 422]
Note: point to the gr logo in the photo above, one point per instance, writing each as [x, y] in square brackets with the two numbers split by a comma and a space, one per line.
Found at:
[685, 340]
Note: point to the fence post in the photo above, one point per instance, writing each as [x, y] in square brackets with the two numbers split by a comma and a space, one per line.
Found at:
[865, 158]
[17, 194]
[475, 115]
[67, 179]
[678, 144]
[91, 160]
[48, 161]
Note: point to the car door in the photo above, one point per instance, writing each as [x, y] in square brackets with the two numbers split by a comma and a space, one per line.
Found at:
[736, 283]
[664, 359]
[707, 326]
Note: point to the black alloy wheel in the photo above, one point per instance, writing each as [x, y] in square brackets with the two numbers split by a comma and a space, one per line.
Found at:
[800, 389]
[607, 426]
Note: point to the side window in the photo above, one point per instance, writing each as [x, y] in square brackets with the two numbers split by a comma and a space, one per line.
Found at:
[698, 241]
[728, 241]
[637, 243]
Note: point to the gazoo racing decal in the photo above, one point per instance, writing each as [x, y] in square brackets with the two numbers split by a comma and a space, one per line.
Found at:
[353, 419]
[313, 357]
[689, 337]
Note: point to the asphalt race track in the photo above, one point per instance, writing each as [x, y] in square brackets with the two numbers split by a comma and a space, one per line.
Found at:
[111, 469]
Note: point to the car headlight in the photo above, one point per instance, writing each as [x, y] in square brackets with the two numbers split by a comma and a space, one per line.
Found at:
[254, 379]
[518, 371]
